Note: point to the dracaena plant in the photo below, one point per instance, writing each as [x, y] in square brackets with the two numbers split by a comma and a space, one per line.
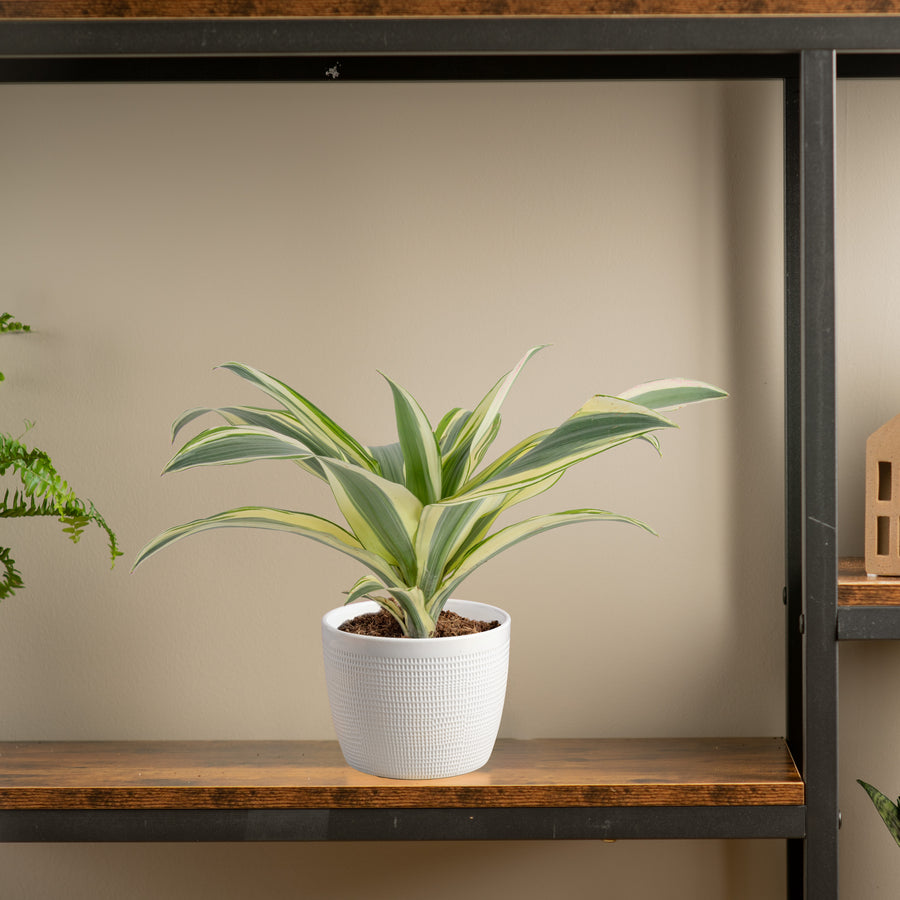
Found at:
[419, 512]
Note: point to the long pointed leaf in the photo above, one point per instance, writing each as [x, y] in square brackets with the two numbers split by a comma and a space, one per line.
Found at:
[362, 588]
[383, 515]
[326, 437]
[420, 449]
[449, 427]
[479, 429]
[513, 534]
[671, 393]
[417, 621]
[229, 444]
[303, 524]
[602, 423]
[390, 461]
[887, 809]
[443, 530]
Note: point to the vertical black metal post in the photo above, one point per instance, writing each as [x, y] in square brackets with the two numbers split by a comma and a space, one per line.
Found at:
[793, 443]
[819, 758]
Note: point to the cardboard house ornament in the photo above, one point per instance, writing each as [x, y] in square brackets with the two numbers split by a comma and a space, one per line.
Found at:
[883, 500]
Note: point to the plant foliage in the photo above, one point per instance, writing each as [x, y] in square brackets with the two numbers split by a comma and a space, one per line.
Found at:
[419, 512]
[887, 809]
[40, 491]
[8, 325]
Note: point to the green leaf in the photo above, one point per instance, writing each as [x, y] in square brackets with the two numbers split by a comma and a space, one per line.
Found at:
[887, 809]
[416, 621]
[671, 393]
[449, 427]
[324, 436]
[390, 461]
[231, 444]
[274, 420]
[362, 588]
[444, 529]
[303, 524]
[382, 514]
[602, 423]
[472, 440]
[520, 531]
[420, 450]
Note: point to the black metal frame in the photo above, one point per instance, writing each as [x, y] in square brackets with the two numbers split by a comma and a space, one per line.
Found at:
[529, 824]
[807, 54]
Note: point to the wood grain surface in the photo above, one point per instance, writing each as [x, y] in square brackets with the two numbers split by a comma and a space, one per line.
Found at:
[856, 588]
[42, 9]
[313, 775]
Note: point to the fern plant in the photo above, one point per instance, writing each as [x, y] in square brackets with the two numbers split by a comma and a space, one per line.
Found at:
[418, 512]
[41, 491]
[887, 809]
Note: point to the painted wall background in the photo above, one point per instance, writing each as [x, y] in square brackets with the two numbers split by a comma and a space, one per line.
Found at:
[322, 232]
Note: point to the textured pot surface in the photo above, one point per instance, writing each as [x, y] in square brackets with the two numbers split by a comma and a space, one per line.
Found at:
[416, 708]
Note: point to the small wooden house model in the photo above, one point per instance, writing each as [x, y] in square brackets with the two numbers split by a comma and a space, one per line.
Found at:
[883, 500]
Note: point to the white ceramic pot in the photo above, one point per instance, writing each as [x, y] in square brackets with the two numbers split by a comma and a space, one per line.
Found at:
[416, 708]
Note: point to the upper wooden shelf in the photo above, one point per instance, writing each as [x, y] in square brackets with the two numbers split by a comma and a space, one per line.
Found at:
[868, 606]
[856, 588]
[313, 775]
[131, 9]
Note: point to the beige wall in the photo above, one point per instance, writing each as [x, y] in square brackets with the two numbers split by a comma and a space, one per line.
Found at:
[434, 232]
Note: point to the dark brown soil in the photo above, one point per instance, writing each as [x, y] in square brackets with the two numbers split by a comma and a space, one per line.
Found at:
[382, 624]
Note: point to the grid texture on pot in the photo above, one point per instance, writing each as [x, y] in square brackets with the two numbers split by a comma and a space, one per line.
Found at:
[417, 717]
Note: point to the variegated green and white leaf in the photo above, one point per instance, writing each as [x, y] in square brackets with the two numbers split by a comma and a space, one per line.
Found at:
[275, 420]
[506, 459]
[444, 528]
[363, 587]
[188, 416]
[303, 524]
[417, 621]
[513, 534]
[420, 449]
[325, 437]
[671, 393]
[390, 461]
[602, 423]
[480, 428]
[228, 444]
[382, 514]
[480, 528]
[449, 427]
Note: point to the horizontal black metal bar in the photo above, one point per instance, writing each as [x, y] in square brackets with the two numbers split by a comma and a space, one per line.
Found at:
[476, 34]
[403, 824]
[396, 68]
[868, 65]
[868, 623]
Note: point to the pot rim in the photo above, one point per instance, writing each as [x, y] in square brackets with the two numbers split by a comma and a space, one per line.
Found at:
[334, 617]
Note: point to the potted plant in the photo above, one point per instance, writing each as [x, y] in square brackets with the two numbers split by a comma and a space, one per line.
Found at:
[419, 514]
[41, 491]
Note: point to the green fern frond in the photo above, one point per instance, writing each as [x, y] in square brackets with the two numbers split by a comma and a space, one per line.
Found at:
[43, 492]
[8, 325]
[10, 577]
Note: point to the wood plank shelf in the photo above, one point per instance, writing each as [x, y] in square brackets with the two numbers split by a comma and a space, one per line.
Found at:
[868, 605]
[303, 790]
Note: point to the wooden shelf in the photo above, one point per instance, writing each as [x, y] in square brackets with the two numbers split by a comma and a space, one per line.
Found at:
[313, 774]
[868, 605]
[303, 8]
[77, 788]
